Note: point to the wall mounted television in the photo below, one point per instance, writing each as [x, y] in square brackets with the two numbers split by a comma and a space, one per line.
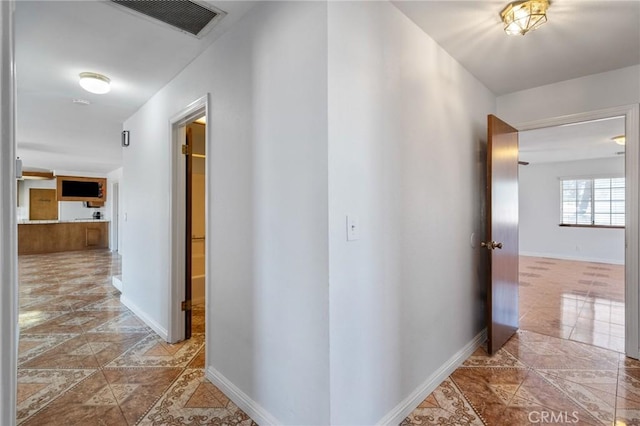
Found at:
[74, 188]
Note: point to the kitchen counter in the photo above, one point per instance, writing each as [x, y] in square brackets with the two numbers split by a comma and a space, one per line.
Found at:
[51, 236]
[39, 222]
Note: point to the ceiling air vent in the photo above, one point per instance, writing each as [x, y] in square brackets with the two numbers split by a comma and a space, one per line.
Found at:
[185, 15]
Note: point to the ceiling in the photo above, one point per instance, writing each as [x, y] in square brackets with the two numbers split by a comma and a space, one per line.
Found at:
[577, 141]
[581, 37]
[56, 40]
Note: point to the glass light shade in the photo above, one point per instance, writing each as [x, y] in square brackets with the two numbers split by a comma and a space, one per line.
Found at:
[520, 17]
[95, 83]
[620, 140]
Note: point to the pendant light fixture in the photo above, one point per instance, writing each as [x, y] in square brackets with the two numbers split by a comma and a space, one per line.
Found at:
[95, 83]
[520, 17]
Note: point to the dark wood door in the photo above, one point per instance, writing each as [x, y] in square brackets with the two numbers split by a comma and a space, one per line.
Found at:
[188, 236]
[502, 232]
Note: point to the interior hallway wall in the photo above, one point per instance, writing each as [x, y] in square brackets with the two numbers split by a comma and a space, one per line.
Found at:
[407, 142]
[591, 93]
[267, 304]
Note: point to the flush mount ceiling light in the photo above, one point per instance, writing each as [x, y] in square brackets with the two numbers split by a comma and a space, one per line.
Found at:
[95, 83]
[620, 140]
[520, 17]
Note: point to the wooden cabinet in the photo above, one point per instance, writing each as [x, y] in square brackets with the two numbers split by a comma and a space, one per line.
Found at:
[36, 238]
[43, 204]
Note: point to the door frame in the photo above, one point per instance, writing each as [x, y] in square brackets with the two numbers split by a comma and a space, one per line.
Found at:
[115, 216]
[177, 217]
[632, 207]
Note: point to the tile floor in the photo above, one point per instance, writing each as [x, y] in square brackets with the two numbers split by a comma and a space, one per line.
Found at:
[85, 359]
[579, 301]
[546, 374]
[537, 379]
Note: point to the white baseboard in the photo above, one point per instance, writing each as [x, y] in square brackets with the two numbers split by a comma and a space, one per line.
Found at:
[402, 410]
[576, 258]
[117, 283]
[161, 331]
[241, 399]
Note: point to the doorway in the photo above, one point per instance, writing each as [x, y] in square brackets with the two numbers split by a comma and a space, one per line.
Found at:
[196, 226]
[572, 241]
[606, 281]
[189, 200]
[115, 216]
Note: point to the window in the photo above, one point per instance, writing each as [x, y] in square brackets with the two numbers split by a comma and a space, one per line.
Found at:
[593, 202]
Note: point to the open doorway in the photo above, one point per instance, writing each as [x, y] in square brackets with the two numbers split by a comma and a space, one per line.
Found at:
[196, 227]
[572, 231]
[188, 222]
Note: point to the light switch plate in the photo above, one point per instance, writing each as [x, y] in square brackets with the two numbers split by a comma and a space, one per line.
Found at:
[353, 228]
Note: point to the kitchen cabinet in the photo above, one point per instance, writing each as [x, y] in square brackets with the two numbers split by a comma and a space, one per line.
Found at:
[57, 236]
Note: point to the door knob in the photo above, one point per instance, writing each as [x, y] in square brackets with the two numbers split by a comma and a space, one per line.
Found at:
[491, 245]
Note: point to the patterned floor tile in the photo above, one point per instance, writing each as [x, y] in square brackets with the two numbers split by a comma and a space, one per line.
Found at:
[37, 388]
[445, 406]
[72, 322]
[86, 359]
[594, 391]
[108, 304]
[125, 322]
[152, 351]
[135, 390]
[33, 345]
[68, 354]
[198, 360]
[28, 318]
[502, 358]
[194, 400]
[92, 401]
[489, 390]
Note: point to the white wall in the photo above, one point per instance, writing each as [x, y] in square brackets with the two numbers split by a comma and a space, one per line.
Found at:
[540, 203]
[407, 135]
[591, 93]
[267, 248]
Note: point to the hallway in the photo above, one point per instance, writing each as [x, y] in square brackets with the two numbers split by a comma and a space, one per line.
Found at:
[84, 358]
